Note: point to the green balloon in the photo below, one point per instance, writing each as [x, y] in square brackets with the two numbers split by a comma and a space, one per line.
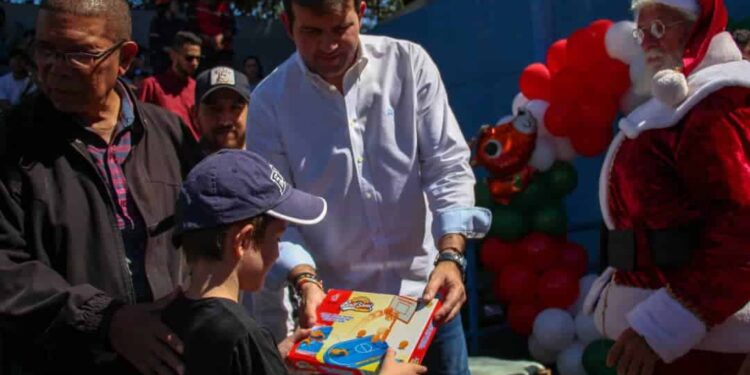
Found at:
[482, 194]
[535, 195]
[595, 358]
[508, 224]
[550, 219]
[563, 178]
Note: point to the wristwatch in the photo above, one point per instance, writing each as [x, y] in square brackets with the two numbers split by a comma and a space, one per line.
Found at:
[454, 256]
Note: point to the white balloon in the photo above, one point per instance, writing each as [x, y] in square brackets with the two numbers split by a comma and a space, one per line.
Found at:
[620, 42]
[519, 102]
[584, 285]
[555, 329]
[570, 360]
[538, 108]
[586, 329]
[543, 156]
[564, 149]
[540, 353]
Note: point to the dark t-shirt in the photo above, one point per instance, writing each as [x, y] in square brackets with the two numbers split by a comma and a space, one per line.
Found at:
[220, 338]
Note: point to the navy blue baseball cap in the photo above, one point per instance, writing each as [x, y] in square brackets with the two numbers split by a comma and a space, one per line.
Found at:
[234, 185]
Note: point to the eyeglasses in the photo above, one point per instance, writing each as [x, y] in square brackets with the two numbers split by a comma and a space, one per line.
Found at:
[79, 60]
[657, 30]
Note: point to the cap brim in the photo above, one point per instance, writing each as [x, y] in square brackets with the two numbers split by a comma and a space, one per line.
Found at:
[300, 208]
[236, 89]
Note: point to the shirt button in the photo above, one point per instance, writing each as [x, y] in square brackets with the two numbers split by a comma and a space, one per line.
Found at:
[368, 195]
[332, 88]
[360, 160]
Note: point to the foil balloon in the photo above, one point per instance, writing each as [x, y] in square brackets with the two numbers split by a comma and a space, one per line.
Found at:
[504, 150]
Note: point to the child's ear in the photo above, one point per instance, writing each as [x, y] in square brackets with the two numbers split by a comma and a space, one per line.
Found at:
[243, 239]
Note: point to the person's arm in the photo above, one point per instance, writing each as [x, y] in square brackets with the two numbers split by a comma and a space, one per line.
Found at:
[713, 164]
[36, 302]
[294, 257]
[447, 180]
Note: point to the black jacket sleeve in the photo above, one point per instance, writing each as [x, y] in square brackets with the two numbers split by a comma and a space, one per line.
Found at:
[37, 304]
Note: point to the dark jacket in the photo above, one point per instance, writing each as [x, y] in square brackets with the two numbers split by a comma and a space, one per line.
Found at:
[62, 258]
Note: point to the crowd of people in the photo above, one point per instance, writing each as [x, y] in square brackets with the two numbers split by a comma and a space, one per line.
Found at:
[190, 220]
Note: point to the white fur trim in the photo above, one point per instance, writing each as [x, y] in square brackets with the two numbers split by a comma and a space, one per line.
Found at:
[670, 87]
[690, 6]
[656, 115]
[595, 292]
[604, 179]
[670, 329]
[722, 50]
[655, 314]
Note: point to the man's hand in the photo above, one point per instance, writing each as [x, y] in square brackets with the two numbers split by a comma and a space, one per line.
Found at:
[311, 297]
[285, 346]
[446, 277]
[391, 367]
[632, 355]
[138, 335]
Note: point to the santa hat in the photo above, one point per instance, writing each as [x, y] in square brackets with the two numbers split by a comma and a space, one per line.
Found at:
[712, 17]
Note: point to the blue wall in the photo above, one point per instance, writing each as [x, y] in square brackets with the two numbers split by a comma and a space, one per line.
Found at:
[481, 46]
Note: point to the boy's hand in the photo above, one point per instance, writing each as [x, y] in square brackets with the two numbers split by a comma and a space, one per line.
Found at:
[391, 367]
[138, 335]
[285, 346]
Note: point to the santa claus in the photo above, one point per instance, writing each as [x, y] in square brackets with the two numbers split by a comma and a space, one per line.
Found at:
[675, 196]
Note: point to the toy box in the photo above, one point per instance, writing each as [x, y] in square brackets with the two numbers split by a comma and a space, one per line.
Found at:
[355, 330]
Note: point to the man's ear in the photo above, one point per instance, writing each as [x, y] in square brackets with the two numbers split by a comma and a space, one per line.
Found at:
[128, 51]
[286, 21]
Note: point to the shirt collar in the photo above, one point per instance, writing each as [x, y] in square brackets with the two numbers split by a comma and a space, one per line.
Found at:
[354, 71]
[126, 117]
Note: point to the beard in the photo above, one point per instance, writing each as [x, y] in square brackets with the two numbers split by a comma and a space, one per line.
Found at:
[654, 61]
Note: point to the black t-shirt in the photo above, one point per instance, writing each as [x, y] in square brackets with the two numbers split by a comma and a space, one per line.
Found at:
[221, 339]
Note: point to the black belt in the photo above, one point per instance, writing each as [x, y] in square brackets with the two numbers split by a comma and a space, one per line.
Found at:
[664, 248]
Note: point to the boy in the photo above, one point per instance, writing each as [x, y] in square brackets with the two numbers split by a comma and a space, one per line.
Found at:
[232, 210]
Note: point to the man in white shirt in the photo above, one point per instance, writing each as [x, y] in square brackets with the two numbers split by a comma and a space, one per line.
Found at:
[17, 83]
[365, 122]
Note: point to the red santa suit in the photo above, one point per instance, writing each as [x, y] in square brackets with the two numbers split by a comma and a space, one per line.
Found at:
[685, 165]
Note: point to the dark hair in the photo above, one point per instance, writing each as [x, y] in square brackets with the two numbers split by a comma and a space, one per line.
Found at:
[741, 37]
[318, 6]
[185, 37]
[208, 243]
[257, 61]
[20, 54]
[115, 12]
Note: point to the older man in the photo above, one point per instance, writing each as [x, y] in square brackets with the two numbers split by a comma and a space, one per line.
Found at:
[88, 181]
[676, 199]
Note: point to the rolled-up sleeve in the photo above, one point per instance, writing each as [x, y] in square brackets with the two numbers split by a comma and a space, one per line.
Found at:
[447, 178]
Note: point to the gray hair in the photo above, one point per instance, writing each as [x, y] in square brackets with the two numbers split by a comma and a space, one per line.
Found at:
[115, 12]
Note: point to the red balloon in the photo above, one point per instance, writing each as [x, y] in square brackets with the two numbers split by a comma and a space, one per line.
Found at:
[610, 76]
[591, 140]
[558, 287]
[539, 251]
[561, 118]
[568, 85]
[585, 48]
[495, 254]
[521, 316]
[515, 283]
[574, 257]
[535, 82]
[556, 56]
[597, 110]
[600, 27]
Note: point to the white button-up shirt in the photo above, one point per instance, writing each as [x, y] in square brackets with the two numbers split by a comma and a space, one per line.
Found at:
[380, 154]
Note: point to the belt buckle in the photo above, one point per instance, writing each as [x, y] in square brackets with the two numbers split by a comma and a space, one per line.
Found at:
[621, 247]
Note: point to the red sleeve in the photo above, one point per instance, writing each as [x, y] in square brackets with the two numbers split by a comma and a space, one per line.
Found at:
[713, 159]
[147, 93]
